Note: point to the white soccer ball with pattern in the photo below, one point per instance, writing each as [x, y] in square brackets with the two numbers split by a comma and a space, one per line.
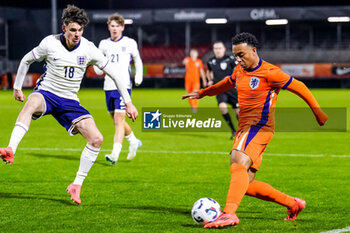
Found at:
[205, 210]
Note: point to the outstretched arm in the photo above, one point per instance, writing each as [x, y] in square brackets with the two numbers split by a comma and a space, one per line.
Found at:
[220, 87]
[303, 92]
[21, 74]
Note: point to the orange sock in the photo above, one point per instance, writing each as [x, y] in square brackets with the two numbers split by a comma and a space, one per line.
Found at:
[193, 102]
[266, 192]
[238, 187]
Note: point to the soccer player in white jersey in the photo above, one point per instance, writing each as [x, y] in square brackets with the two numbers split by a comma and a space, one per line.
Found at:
[66, 55]
[120, 50]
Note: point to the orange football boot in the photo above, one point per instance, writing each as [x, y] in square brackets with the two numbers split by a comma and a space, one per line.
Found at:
[295, 210]
[223, 220]
[7, 155]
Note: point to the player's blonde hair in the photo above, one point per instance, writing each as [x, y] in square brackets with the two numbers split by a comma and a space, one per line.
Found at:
[117, 18]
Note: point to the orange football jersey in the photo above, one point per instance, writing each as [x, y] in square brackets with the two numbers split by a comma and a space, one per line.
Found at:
[257, 93]
[192, 70]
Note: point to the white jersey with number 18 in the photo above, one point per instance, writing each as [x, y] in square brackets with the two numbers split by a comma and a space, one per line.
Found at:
[65, 68]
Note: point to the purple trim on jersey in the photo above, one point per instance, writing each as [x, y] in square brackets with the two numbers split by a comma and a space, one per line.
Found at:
[63, 41]
[287, 84]
[255, 68]
[106, 64]
[232, 79]
[116, 40]
[21, 127]
[254, 129]
[66, 111]
[34, 55]
[40, 80]
[114, 100]
[94, 151]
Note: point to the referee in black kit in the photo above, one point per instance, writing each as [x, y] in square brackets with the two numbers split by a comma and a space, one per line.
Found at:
[219, 67]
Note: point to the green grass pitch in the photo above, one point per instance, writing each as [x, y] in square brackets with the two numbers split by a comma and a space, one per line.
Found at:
[155, 192]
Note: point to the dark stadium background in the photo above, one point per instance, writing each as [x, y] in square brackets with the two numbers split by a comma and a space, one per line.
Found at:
[158, 4]
[163, 43]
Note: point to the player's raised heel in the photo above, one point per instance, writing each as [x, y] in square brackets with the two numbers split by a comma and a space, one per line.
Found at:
[224, 220]
[74, 191]
[109, 159]
[295, 210]
[7, 155]
[133, 149]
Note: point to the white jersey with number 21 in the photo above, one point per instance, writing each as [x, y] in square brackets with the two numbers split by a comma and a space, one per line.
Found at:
[120, 54]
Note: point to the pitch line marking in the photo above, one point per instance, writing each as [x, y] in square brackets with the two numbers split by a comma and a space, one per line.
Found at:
[188, 152]
[347, 229]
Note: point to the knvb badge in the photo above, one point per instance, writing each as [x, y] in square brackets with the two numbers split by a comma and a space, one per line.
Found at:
[151, 120]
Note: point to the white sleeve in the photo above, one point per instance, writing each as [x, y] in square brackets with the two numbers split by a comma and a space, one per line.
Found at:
[37, 54]
[121, 85]
[23, 69]
[101, 46]
[40, 52]
[97, 57]
[138, 65]
[97, 70]
[103, 63]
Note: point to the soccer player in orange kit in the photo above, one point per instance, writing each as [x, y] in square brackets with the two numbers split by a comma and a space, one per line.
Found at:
[258, 84]
[194, 69]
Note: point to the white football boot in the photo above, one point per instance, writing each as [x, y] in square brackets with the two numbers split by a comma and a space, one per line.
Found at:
[110, 158]
[133, 147]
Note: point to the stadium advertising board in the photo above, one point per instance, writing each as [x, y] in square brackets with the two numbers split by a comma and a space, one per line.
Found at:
[296, 70]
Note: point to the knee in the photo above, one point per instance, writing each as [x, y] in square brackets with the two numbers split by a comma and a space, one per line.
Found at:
[241, 158]
[223, 108]
[97, 140]
[119, 119]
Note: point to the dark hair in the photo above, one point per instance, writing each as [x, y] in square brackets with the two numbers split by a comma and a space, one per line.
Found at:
[219, 42]
[74, 14]
[245, 37]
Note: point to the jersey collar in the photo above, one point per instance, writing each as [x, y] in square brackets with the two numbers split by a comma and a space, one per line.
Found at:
[63, 41]
[255, 68]
[117, 40]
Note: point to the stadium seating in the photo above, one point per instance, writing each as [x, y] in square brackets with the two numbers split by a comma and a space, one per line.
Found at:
[171, 54]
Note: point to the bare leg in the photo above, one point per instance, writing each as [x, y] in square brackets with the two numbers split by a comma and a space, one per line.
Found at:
[35, 104]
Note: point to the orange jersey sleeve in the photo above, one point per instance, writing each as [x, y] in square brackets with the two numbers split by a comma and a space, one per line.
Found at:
[200, 63]
[192, 70]
[303, 92]
[220, 87]
[277, 78]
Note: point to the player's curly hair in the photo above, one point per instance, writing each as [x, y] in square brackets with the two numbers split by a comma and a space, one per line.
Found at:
[117, 18]
[245, 37]
[74, 14]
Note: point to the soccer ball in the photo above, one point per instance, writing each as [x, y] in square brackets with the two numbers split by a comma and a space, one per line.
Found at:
[205, 210]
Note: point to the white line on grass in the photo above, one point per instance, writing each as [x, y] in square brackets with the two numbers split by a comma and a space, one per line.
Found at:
[341, 156]
[347, 229]
[187, 152]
